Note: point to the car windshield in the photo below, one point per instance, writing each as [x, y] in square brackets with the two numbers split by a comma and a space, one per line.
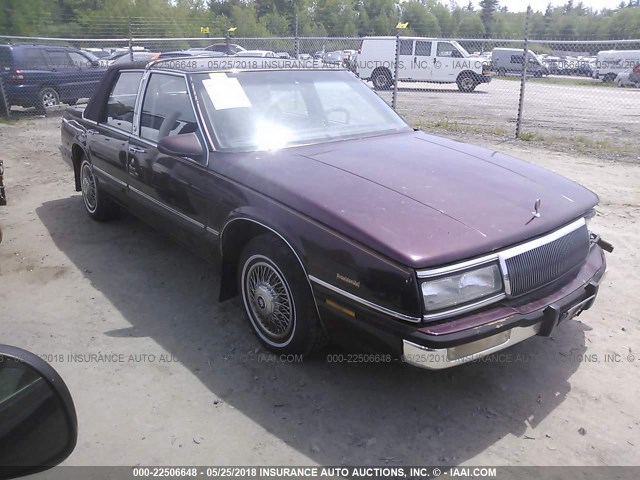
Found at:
[266, 110]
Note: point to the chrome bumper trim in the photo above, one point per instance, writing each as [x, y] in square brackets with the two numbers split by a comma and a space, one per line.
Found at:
[437, 359]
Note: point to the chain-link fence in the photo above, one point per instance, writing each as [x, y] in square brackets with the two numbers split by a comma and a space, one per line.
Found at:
[583, 95]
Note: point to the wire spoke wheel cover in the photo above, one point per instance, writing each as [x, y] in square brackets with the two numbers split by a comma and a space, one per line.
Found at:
[268, 300]
[89, 189]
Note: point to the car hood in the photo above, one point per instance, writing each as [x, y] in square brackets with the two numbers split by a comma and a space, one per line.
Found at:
[418, 199]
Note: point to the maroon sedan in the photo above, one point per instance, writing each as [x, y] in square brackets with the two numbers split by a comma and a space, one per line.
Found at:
[333, 219]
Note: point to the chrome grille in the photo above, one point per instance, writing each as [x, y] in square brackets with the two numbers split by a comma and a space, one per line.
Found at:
[542, 265]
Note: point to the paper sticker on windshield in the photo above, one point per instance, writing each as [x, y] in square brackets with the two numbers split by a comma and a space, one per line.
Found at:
[225, 92]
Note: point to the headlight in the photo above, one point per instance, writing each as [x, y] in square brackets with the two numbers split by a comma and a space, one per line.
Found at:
[461, 288]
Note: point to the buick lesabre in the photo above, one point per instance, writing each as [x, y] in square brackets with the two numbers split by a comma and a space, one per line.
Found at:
[332, 218]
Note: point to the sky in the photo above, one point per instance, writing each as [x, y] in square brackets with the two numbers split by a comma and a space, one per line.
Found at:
[541, 5]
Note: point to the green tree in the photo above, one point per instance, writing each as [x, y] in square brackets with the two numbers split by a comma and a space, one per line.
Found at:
[421, 22]
[487, 10]
[471, 26]
[444, 16]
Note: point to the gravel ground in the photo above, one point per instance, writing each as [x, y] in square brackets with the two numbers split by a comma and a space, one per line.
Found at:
[162, 374]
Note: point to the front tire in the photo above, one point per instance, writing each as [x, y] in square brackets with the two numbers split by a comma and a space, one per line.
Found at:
[466, 83]
[277, 298]
[96, 202]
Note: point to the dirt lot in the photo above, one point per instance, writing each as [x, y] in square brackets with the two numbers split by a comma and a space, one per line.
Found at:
[176, 378]
[595, 119]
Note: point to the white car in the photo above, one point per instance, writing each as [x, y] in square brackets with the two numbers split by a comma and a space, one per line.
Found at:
[622, 80]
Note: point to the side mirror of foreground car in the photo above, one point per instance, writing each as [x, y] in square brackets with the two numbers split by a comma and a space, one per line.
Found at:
[38, 424]
[183, 145]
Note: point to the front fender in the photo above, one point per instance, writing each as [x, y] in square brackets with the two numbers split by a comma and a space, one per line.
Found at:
[324, 255]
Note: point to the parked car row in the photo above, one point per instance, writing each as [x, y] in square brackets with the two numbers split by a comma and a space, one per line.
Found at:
[610, 63]
[41, 76]
[577, 66]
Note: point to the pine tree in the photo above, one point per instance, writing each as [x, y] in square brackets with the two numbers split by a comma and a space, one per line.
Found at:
[488, 9]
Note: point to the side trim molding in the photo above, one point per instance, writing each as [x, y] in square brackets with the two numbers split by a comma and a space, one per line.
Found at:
[109, 176]
[167, 208]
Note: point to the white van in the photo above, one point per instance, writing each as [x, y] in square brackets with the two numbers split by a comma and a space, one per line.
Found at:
[420, 60]
[509, 60]
[610, 63]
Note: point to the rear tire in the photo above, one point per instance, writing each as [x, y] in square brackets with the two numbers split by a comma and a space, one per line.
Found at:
[608, 78]
[97, 203]
[381, 79]
[277, 298]
[47, 97]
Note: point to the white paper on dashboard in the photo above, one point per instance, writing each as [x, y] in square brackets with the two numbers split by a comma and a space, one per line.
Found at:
[225, 92]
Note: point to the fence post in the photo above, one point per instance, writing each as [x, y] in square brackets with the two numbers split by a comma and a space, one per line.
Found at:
[297, 39]
[394, 97]
[130, 41]
[523, 79]
[5, 108]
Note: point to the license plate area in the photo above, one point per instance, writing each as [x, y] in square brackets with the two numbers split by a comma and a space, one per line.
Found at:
[575, 310]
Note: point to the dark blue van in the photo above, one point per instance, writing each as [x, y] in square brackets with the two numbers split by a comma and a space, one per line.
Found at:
[41, 76]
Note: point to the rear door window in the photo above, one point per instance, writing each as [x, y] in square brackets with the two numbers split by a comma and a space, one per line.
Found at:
[31, 58]
[122, 101]
[423, 49]
[59, 59]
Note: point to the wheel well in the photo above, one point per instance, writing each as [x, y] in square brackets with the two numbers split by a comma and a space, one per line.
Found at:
[380, 70]
[51, 86]
[76, 155]
[233, 239]
[467, 73]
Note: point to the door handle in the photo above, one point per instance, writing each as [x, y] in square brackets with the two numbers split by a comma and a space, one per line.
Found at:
[91, 131]
[134, 149]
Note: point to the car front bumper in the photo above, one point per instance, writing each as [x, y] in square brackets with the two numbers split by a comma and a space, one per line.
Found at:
[471, 336]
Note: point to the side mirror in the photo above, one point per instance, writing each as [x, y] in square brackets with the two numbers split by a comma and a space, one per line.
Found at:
[183, 145]
[38, 424]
